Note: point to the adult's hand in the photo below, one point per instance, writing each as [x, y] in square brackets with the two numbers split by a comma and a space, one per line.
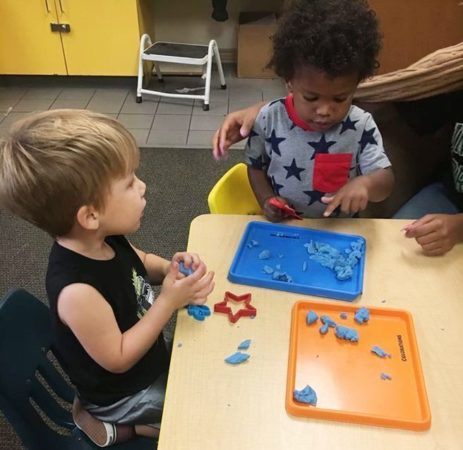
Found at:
[236, 126]
[436, 233]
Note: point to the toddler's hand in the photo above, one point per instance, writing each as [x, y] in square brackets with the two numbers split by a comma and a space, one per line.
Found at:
[273, 213]
[180, 291]
[436, 233]
[189, 260]
[352, 198]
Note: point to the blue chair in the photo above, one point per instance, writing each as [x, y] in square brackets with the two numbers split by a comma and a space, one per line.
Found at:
[31, 387]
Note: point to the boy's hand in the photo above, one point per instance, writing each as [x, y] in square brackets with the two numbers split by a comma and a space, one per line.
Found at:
[436, 233]
[352, 197]
[236, 126]
[178, 291]
[190, 261]
[273, 213]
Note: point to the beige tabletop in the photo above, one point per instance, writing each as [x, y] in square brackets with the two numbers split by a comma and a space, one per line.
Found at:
[211, 405]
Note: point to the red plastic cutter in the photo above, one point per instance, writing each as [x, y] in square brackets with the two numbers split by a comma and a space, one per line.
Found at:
[277, 203]
[247, 311]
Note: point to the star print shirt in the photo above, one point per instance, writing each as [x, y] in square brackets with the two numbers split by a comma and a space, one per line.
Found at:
[303, 165]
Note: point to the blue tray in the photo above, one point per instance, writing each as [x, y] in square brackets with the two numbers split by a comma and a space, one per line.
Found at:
[286, 246]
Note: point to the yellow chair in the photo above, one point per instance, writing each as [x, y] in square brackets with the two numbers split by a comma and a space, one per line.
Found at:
[233, 194]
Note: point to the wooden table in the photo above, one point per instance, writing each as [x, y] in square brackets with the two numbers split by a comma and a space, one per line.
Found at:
[213, 406]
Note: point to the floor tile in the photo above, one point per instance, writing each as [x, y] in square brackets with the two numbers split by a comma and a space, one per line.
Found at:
[248, 94]
[6, 104]
[175, 106]
[33, 104]
[77, 93]
[12, 92]
[72, 103]
[136, 120]
[167, 137]
[206, 122]
[105, 105]
[45, 92]
[171, 122]
[140, 135]
[215, 108]
[202, 139]
[147, 106]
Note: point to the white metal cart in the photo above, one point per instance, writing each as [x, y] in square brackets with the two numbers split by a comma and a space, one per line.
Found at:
[189, 54]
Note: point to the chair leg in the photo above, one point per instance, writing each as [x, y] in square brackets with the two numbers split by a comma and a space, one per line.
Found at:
[218, 61]
[207, 91]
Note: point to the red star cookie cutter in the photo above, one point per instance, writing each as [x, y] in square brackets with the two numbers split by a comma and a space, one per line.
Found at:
[247, 311]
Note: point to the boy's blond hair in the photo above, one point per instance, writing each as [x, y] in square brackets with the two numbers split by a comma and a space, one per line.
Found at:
[54, 162]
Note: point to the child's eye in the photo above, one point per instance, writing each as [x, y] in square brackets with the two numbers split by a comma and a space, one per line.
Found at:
[310, 99]
[340, 99]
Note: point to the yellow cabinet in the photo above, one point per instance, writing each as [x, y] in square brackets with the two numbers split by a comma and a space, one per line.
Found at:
[72, 37]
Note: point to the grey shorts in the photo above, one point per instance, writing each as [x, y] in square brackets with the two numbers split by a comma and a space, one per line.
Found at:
[143, 408]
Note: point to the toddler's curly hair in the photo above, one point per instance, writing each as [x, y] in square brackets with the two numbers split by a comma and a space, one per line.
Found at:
[338, 37]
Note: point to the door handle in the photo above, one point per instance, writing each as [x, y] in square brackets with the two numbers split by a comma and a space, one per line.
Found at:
[60, 27]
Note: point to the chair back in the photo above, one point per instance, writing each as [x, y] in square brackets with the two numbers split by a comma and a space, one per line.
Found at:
[34, 394]
[233, 194]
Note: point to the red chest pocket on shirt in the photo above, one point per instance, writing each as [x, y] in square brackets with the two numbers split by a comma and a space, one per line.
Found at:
[331, 171]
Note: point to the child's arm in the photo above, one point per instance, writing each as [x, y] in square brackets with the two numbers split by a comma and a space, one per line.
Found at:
[355, 195]
[437, 233]
[264, 192]
[236, 126]
[90, 317]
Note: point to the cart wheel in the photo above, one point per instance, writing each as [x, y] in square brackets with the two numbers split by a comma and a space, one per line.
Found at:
[138, 99]
[205, 107]
[223, 86]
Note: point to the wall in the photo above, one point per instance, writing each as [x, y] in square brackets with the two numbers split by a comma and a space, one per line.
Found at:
[191, 22]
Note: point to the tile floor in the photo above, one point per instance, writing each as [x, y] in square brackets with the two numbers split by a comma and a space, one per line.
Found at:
[156, 122]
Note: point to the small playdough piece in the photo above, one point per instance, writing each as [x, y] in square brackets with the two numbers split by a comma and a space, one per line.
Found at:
[311, 317]
[348, 334]
[237, 358]
[380, 352]
[343, 315]
[385, 376]
[267, 269]
[252, 243]
[199, 312]
[264, 254]
[185, 270]
[281, 276]
[328, 321]
[324, 328]
[244, 345]
[304, 266]
[362, 315]
[306, 395]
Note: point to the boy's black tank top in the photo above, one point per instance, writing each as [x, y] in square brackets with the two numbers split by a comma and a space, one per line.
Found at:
[121, 281]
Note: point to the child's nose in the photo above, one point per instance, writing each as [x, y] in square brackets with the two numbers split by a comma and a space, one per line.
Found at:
[323, 110]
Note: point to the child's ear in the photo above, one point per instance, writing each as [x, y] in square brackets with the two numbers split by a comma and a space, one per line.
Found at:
[88, 217]
[289, 86]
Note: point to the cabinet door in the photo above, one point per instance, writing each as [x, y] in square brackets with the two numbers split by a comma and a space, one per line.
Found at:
[27, 44]
[103, 38]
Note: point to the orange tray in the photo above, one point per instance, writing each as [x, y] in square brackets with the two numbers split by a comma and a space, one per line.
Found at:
[347, 376]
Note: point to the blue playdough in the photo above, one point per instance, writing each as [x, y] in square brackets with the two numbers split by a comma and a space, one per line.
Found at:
[385, 376]
[264, 254]
[362, 315]
[237, 358]
[306, 395]
[252, 243]
[343, 315]
[304, 266]
[341, 263]
[311, 317]
[328, 321]
[185, 270]
[348, 334]
[380, 352]
[324, 328]
[267, 269]
[244, 345]
[199, 312]
[281, 276]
